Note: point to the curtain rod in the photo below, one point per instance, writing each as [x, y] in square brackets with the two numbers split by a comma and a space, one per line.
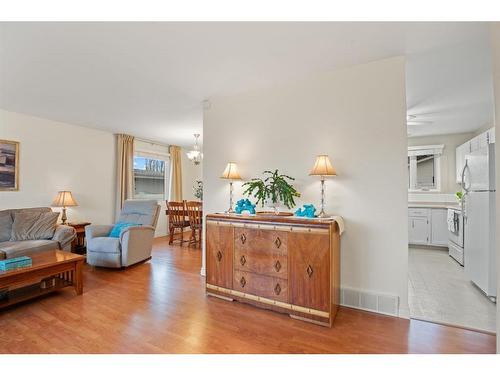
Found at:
[147, 140]
[151, 141]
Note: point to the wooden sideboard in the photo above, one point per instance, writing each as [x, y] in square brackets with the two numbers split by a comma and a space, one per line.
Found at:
[285, 264]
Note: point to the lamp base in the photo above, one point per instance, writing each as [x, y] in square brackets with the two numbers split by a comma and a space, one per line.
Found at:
[323, 215]
[64, 217]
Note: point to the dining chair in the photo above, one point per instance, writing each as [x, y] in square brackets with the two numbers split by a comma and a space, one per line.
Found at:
[195, 215]
[176, 220]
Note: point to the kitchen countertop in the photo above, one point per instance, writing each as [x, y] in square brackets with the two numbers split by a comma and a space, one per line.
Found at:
[433, 205]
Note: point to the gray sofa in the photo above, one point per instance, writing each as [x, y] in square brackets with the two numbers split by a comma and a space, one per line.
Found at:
[134, 243]
[62, 238]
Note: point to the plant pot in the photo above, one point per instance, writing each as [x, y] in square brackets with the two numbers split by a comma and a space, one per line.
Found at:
[273, 209]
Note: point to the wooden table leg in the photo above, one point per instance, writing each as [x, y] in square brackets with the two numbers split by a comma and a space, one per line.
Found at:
[79, 277]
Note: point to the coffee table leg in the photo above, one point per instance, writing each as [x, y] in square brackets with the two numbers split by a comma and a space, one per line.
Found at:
[79, 277]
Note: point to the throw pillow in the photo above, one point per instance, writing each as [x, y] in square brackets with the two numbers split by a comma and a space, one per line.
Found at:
[117, 229]
[34, 226]
[5, 225]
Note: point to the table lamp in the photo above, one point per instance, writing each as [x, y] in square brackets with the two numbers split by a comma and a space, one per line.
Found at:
[323, 167]
[231, 173]
[64, 199]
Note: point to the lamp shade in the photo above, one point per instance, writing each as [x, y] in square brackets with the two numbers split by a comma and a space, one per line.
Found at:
[323, 167]
[64, 199]
[231, 172]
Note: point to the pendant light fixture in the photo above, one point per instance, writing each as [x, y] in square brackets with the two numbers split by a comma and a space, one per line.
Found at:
[195, 155]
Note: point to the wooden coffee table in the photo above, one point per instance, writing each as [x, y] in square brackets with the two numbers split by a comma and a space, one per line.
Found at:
[51, 270]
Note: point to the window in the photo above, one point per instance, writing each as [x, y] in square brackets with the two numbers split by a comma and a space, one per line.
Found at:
[424, 168]
[150, 171]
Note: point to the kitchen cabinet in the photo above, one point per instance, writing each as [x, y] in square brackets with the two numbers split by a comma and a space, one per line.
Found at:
[427, 226]
[439, 227]
[418, 230]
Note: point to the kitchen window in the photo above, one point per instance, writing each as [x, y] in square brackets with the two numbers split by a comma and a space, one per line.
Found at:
[424, 171]
[151, 171]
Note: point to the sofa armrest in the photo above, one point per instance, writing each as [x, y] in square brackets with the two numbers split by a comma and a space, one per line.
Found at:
[64, 235]
[136, 244]
[92, 231]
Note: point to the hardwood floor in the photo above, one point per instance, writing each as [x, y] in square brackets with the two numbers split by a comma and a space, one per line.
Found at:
[160, 307]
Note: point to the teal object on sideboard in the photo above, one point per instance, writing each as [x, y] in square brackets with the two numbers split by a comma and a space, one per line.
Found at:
[15, 263]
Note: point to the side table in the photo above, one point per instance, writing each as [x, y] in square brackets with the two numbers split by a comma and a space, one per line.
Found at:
[78, 244]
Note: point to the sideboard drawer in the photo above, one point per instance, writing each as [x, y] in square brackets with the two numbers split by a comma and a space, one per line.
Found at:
[263, 286]
[260, 239]
[262, 262]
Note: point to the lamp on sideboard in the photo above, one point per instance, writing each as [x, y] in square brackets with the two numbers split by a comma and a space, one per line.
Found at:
[64, 199]
[323, 167]
[231, 173]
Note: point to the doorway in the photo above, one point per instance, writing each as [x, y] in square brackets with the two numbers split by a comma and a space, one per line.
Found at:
[451, 184]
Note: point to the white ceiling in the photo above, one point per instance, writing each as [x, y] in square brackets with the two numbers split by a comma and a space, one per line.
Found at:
[150, 79]
[450, 90]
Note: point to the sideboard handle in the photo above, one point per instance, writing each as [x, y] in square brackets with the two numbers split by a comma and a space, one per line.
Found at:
[243, 260]
[277, 266]
[277, 242]
[309, 270]
[277, 289]
[243, 282]
[243, 238]
[219, 256]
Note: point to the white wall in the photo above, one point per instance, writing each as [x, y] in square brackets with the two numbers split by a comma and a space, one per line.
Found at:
[56, 156]
[447, 159]
[495, 44]
[358, 117]
[190, 173]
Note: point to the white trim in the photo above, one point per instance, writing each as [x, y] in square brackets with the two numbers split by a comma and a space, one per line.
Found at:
[413, 152]
[425, 150]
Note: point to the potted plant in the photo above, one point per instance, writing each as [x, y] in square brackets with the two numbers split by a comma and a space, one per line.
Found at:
[198, 190]
[274, 189]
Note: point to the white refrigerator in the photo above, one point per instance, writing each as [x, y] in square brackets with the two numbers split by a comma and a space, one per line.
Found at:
[478, 183]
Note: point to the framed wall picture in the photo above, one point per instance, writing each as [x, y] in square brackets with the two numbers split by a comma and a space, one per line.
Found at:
[9, 165]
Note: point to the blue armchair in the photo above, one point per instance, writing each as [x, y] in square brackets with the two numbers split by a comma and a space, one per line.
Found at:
[134, 244]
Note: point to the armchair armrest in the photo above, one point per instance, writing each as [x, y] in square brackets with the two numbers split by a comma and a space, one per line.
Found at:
[64, 235]
[136, 244]
[92, 231]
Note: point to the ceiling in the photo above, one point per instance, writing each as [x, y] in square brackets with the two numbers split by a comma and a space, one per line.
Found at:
[450, 90]
[150, 79]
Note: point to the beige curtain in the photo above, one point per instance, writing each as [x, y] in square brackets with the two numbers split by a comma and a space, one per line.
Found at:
[175, 173]
[124, 169]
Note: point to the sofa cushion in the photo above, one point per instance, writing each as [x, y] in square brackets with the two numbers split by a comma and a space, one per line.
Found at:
[5, 225]
[13, 249]
[104, 245]
[33, 225]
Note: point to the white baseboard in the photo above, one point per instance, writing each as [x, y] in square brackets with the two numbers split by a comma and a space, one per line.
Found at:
[369, 301]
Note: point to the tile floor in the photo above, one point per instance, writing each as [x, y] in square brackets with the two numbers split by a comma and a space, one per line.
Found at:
[440, 292]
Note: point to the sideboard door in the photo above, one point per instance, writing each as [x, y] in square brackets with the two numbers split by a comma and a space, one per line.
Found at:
[309, 270]
[219, 247]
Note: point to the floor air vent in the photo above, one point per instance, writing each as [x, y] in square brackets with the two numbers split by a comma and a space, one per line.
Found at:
[379, 303]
